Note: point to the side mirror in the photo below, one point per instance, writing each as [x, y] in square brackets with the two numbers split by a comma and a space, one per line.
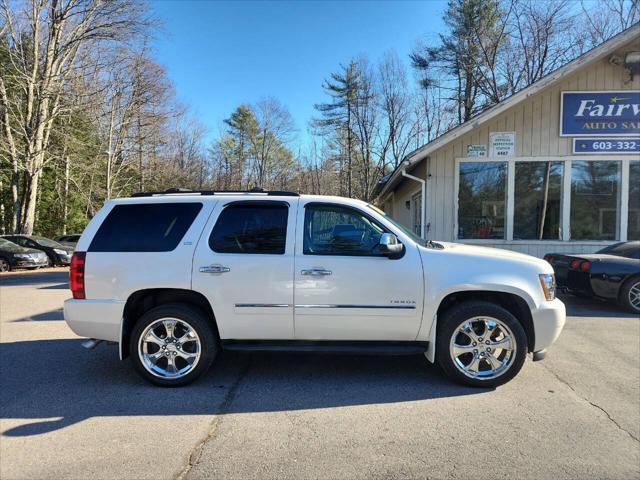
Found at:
[389, 245]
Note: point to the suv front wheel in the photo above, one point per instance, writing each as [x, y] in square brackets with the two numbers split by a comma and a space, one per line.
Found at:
[480, 344]
[172, 345]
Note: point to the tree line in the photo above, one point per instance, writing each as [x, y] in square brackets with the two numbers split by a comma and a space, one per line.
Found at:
[87, 113]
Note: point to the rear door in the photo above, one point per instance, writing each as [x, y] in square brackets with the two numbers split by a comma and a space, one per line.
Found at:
[344, 288]
[244, 265]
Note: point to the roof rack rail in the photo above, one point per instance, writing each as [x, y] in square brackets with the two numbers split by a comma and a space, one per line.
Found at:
[185, 191]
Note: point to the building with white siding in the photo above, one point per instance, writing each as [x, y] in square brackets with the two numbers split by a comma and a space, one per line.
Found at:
[555, 167]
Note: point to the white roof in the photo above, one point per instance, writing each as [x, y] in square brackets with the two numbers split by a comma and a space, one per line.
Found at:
[196, 196]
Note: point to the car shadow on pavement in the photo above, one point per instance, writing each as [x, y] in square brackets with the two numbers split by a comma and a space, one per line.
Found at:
[593, 307]
[60, 277]
[58, 383]
[56, 286]
[50, 316]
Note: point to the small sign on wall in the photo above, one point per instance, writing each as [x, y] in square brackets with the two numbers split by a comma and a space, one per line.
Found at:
[476, 150]
[607, 145]
[502, 144]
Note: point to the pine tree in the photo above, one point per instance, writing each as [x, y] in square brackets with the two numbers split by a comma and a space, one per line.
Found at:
[242, 128]
[338, 116]
[459, 55]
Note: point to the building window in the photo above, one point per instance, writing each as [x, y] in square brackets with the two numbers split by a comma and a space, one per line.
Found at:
[416, 213]
[595, 205]
[634, 201]
[481, 200]
[537, 200]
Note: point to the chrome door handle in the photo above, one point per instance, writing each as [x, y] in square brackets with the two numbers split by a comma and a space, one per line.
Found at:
[316, 272]
[214, 269]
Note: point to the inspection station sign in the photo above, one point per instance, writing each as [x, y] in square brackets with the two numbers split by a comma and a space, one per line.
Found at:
[597, 114]
[607, 145]
[502, 144]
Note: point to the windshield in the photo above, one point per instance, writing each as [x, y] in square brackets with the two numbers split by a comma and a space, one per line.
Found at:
[45, 242]
[403, 229]
[4, 243]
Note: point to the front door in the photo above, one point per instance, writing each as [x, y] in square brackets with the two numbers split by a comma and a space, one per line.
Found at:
[244, 265]
[345, 289]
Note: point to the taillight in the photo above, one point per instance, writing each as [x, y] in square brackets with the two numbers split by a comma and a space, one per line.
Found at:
[574, 264]
[76, 274]
[584, 266]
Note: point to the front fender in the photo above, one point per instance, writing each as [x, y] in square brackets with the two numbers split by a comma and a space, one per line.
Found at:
[428, 329]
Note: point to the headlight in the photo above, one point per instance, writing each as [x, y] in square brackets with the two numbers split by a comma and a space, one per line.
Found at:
[24, 256]
[548, 284]
[61, 252]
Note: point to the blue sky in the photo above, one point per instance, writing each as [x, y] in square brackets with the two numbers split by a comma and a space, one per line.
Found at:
[220, 54]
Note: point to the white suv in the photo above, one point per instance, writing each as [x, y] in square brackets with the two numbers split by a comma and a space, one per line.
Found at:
[174, 277]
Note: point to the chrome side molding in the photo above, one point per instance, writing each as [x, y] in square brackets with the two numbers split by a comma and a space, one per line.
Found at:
[262, 305]
[393, 307]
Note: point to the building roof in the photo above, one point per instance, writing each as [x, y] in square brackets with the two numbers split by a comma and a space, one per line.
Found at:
[416, 156]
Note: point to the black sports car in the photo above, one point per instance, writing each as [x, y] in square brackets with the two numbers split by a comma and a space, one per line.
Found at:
[612, 273]
[14, 256]
[58, 254]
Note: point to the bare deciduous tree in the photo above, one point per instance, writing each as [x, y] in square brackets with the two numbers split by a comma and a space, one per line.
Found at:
[44, 41]
[396, 103]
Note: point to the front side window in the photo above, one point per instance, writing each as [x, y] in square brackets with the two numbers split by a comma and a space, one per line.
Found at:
[334, 230]
[481, 200]
[634, 201]
[595, 205]
[23, 242]
[537, 201]
[251, 228]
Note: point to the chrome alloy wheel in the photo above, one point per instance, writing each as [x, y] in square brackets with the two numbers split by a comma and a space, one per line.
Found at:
[634, 296]
[169, 348]
[482, 347]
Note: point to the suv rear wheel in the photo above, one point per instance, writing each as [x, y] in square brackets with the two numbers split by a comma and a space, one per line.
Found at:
[480, 344]
[173, 344]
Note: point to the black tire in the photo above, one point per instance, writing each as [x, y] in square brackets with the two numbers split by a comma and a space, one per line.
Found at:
[624, 298]
[448, 325]
[198, 320]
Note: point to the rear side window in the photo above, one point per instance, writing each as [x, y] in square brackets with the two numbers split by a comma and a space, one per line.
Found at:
[251, 229]
[151, 227]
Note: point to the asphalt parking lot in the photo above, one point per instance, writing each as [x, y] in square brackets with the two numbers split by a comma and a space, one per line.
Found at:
[66, 412]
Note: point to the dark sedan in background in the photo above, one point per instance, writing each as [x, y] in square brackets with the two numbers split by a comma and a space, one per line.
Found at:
[14, 256]
[612, 273]
[58, 254]
[68, 240]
